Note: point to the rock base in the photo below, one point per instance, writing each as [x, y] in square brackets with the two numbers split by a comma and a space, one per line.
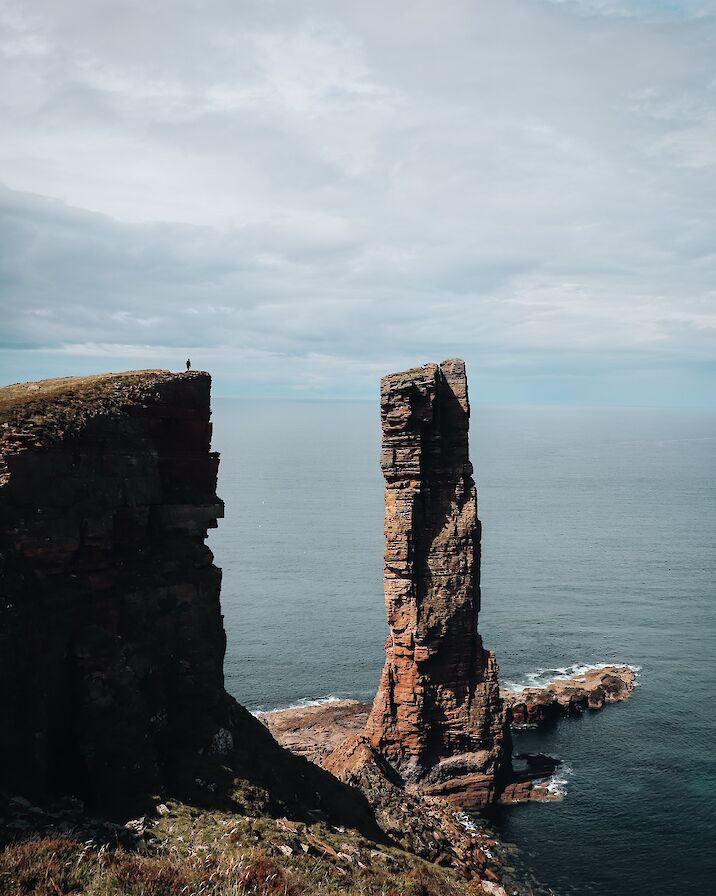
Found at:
[324, 733]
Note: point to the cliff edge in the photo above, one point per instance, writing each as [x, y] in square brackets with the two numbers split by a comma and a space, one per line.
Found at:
[111, 638]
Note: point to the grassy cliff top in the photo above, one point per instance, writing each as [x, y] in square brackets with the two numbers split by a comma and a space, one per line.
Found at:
[50, 407]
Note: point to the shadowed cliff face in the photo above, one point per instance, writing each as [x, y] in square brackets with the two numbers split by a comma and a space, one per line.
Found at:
[111, 636]
[437, 716]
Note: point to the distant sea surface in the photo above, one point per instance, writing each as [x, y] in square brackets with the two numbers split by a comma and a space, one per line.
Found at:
[599, 545]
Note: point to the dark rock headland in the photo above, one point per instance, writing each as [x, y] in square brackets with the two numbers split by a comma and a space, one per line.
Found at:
[111, 637]
[111, 634]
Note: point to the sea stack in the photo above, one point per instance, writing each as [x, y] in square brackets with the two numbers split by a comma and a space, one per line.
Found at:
[437, 717]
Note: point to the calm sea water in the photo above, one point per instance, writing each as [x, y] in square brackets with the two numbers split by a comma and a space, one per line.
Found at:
[599, 545]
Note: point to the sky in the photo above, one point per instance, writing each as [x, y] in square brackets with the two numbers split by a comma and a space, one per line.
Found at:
[304, 196]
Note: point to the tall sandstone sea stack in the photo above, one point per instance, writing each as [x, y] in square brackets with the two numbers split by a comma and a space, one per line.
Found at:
[437, 717]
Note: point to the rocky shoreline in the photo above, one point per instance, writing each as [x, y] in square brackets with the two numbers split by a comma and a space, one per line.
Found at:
[592, 688]
[316, 731]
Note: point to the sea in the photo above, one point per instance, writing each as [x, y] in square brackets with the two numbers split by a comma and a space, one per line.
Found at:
[599, 546]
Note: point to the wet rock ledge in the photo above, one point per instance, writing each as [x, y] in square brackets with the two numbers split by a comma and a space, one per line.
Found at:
[590, 689]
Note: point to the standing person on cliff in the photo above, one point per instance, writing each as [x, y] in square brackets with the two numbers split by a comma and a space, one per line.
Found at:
[188, 364]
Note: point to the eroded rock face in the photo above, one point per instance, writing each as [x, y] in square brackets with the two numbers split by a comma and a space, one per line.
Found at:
[111, 635]
[437, 717]
[321, 733]
[424, 825]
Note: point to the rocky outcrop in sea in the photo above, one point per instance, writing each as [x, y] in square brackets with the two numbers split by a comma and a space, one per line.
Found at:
[568, 695]
[316, 731]
[437, 718]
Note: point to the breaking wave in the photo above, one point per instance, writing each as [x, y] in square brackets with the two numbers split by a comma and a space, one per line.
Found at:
[542, 677]
[557, 783]
[299, 704]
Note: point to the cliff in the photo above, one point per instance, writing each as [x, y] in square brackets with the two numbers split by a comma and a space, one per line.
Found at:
[111, 638]
[111, 634]
[437, 717]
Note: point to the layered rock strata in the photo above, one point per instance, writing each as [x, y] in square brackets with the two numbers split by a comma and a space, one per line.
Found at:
[111, 635]
[425, 825]
[316, 731]
[437, 717]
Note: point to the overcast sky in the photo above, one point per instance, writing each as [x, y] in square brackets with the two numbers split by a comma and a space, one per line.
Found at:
[303, 196]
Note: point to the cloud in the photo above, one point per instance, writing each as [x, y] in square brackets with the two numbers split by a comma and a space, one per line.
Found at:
[649, 10]
[309, 194]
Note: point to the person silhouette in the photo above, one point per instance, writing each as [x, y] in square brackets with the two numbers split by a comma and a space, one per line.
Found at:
[188, 363]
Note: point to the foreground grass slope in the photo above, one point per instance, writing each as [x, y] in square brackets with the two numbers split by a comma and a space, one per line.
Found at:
[53, 866]
[232, 828]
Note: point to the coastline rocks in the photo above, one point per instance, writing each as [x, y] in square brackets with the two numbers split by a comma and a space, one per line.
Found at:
[425, 826]
[438, 717]
[111, 655]
[315, 731]
[590, 689]
[531, 780]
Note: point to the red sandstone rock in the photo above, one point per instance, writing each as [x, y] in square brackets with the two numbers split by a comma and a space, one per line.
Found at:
[437, 717]
[438, 724]
[315, 731]
[422, 824]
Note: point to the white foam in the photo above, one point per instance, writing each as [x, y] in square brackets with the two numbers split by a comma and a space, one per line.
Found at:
[300, 704]
[542, 677]
[464, 819]
[557, 783]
